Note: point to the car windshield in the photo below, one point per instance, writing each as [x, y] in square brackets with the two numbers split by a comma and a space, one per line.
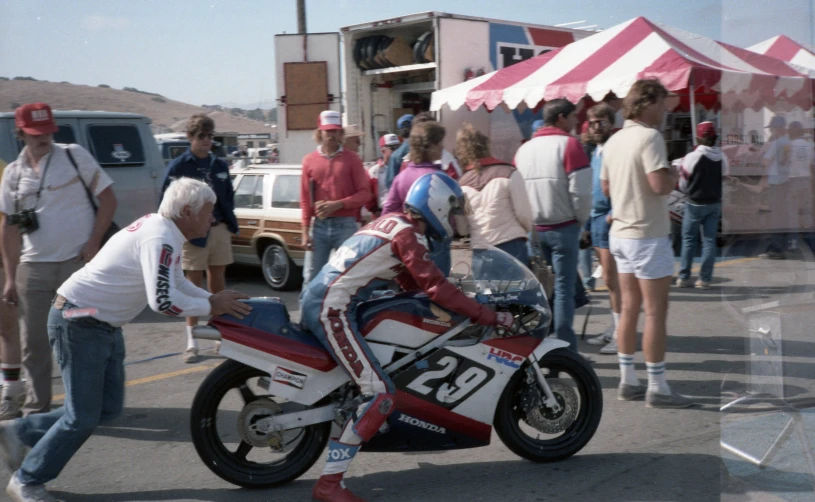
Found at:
[494, 276]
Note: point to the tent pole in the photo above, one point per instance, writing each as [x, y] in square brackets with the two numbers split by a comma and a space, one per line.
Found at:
[692, 94]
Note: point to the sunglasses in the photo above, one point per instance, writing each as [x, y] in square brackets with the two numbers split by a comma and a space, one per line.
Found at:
[205, 135]
[595, 123]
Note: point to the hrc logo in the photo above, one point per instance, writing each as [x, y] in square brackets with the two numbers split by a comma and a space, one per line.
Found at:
[505, 358]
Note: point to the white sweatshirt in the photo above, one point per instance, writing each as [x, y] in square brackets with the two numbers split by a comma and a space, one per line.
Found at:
[140, 265]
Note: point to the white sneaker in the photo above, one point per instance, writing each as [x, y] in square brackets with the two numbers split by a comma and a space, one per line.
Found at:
[603, 339]
[610, 348]
[28, 493]
[682, 283]
[12, 398]
[11, 448]
[191, 356]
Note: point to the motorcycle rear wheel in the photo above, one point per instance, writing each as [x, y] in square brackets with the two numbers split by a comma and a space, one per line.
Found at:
[235, 466]
[510, 415]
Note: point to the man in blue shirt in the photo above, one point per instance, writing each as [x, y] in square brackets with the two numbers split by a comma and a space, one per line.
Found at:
[213, 252]
[601, 121]
[404, 124]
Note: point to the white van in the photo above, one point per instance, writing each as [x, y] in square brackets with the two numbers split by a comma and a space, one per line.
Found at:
[122, 143]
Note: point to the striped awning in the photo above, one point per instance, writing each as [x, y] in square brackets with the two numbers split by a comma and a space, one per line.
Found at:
[612, 60]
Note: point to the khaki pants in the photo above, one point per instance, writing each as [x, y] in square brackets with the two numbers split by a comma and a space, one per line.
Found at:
[217, 253]
[37, 284]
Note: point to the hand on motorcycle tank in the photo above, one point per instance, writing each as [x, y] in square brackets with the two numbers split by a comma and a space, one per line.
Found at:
[504, 319]
[228, 302]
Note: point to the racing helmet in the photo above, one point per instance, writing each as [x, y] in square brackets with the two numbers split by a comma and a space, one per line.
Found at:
[441, 203]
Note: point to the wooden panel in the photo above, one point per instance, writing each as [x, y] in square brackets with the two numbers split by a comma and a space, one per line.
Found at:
[306, 83]
[282, 225]
[306, 93]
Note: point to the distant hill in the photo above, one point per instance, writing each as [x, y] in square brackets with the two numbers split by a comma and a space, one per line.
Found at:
[167, 115]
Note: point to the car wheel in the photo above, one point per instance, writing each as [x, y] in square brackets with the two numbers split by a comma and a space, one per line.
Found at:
[279, 271]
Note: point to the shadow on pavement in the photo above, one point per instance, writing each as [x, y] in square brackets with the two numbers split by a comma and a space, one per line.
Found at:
[614, 477]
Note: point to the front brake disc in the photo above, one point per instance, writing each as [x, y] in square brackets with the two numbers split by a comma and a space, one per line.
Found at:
[550, 422]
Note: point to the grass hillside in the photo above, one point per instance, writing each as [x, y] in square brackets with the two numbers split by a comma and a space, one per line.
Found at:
[167, 115]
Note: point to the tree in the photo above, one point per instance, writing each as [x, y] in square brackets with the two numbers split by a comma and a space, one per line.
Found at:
[256, 114]
[272, 115]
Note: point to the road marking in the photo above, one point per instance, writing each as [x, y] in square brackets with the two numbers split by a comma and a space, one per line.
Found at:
[156, 378]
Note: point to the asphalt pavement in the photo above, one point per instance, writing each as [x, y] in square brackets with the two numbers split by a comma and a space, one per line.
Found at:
[637, 454]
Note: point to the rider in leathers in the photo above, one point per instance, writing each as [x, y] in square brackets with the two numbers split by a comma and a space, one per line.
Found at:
[393, 247]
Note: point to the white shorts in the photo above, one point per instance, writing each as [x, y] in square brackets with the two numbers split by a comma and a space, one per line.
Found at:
[645, 258]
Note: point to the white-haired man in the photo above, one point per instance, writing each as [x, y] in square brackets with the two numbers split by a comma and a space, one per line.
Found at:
[139, 266]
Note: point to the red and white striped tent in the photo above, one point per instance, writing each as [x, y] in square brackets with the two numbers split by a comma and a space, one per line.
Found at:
[786, 49]
[612, 60]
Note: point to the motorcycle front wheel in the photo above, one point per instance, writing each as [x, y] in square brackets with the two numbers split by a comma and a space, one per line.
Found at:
[535, 432]
[228, 403]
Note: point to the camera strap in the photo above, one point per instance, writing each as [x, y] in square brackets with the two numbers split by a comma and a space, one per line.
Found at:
[39, 190]
[79, 175]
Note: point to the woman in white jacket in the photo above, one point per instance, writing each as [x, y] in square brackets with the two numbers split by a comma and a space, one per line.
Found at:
[502, 215]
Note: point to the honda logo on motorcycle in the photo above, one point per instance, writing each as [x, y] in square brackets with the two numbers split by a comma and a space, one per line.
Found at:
[420, 423]
[505, 358]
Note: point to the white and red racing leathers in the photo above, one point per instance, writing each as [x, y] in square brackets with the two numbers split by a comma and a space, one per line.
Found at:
[389, 248]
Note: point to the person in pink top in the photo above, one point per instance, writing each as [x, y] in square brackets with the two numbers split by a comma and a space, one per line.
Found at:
[425, 142]
[333, 186]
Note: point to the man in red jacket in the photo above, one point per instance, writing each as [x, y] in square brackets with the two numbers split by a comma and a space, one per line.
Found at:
[333, 186]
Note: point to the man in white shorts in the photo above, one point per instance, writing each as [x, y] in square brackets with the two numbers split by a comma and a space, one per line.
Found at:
[637, 176]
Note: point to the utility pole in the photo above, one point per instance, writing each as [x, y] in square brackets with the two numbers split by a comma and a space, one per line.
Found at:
[301, 17]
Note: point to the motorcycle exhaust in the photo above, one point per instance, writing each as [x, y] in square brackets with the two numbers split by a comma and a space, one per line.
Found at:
[206, 333]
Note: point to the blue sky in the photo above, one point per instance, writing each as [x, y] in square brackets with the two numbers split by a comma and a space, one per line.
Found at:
[217, 51]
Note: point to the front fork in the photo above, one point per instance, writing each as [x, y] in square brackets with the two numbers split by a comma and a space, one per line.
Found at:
[549, 398]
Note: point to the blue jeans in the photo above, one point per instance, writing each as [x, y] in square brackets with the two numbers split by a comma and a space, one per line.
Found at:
[560, 248]
[584, 264]
[91, 355]
[517, 248]
[707, 217]
[326, 235]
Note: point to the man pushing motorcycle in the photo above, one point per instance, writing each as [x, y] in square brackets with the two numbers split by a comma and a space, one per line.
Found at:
[393, 247]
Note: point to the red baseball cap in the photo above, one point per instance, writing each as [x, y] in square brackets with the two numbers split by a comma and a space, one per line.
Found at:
[706, 130]
[388, 140]
[35, 118]
[330, 120]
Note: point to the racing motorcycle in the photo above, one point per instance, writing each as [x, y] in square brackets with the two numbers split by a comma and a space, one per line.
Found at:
[264, 416]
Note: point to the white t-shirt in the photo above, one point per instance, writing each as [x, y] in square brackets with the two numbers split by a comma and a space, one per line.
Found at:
[802, 158]
[140, 265]
[63, 211]
[379, 172]
[777, 154]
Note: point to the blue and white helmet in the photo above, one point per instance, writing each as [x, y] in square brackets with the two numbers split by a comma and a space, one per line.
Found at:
[442, 205]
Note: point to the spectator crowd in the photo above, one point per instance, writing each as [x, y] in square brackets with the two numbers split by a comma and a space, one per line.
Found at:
[563, 197]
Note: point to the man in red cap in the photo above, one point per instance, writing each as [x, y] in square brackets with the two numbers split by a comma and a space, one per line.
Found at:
[701, 179]
[50, 230]
[333, 186]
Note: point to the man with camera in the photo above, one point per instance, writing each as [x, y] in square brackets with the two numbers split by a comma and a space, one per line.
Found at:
[49, 232]
[140, 266]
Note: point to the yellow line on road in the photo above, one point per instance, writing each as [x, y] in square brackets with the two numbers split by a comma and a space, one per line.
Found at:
[156, 378]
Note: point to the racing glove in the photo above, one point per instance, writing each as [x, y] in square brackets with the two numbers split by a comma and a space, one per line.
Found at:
[504, 319]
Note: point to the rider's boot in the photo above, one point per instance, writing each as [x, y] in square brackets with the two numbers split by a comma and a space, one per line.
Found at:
[330, 487]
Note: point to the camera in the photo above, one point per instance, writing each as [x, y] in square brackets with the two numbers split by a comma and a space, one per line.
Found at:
[26, 220]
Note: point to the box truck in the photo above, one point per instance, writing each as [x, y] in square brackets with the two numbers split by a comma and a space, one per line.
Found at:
[376, 72]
